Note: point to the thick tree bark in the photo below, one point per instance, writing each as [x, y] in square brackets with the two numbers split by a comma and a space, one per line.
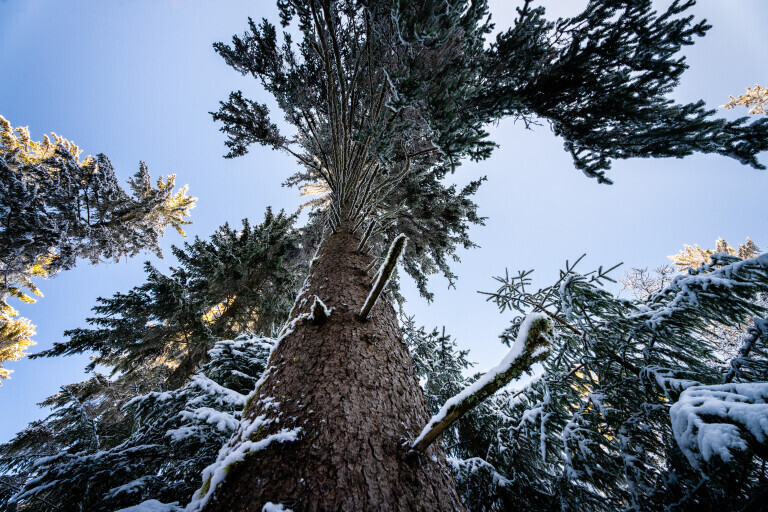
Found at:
[350, 386]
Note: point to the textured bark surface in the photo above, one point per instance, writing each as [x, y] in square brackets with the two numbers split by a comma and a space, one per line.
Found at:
[350, 385]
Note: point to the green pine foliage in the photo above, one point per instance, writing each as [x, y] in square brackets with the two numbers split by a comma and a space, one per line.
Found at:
[593, 430]
[601, 80]
[386, 99]
[237, 281]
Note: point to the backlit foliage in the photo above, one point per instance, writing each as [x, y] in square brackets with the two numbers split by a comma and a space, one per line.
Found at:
[755, 99]
[57, 208]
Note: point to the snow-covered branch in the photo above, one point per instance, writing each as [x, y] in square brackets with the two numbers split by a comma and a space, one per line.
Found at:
[531, 346]
[712, 423]
[384, 273]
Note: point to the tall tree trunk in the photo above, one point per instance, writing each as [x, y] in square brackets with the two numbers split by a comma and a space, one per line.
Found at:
[350, 386]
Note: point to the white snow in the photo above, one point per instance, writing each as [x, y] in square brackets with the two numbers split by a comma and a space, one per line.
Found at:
[128, 488]
[685, 287]
[273, 507]
[378, 277]
[708, 421]
[667, 380]
[223, 421]
[317, 302]
[472, 465]
[235, 451]
[153, 506]
[517, 349]
[222, 394]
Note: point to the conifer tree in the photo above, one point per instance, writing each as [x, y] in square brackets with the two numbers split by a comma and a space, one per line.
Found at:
[148, 430]
[642, 283]
[572, 439]
[56, 208]
[693, 257]
[112, 444]
[756, 97]
[386, 99]
[237, 281]
[630, 410]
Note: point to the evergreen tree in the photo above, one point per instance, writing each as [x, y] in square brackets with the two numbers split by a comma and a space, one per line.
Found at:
[693, 257]
[641, 283]
[756, 97]
[149, 430]
[104, 448]
[386, 99]
[56, 208]
[632, 408]
[646, 426]
[237, 281]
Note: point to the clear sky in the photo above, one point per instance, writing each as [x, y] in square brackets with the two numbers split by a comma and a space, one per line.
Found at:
[136, 79]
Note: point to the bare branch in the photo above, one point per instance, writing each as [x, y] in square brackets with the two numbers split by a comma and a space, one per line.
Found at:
[366, 235]
[385, 272]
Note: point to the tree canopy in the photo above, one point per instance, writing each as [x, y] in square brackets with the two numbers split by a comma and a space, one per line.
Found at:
[386, 100]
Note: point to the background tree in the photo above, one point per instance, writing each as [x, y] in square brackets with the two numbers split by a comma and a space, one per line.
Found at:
[691, 258]
[56, 208]
[326, 352]
[108, 441]
[598, 429]
[642, 283]
[107, 445]
[238, 281]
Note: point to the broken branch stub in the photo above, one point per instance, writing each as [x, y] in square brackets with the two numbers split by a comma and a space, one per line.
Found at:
[366, 235]
[384, 273]
[319, 313]
[531, 346]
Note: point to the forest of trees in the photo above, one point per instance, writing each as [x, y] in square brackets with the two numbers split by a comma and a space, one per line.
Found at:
[275, 367]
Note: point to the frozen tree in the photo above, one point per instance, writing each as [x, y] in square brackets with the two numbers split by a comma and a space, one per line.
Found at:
[104, 448]
[385, 99]
[692, 257]
[594, 432]
[643, 283]
[439, 366]
[56, 208]
[146, 432]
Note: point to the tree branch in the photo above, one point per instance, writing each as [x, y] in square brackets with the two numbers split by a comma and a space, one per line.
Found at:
[531, 346]
[385, 272]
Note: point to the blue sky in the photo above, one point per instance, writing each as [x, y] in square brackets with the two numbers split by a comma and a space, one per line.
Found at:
[136, 79]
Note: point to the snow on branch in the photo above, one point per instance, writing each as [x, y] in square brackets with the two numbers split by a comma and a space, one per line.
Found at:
[710, 423]
[754, 333]
[319, 313]
[384, 273]
[531, 346]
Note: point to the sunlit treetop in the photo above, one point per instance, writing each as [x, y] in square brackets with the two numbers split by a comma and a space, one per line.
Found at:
[755, 99]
